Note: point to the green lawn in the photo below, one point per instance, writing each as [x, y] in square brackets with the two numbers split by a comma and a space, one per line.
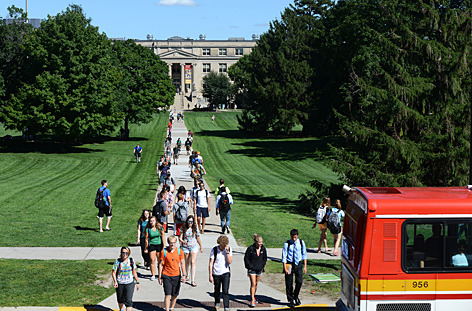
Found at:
[48, 189]
[54, 282]
[265, 176]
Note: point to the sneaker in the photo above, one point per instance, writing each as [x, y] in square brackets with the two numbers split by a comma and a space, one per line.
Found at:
[227, 228]
[253, 304]
[217, 306]
[297, 302]
[153, 278]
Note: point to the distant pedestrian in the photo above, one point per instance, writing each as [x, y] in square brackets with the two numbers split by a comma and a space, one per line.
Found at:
[155, 242]
[321, 220]
[255, 260]
[188, 145]
[213, 119]
[142, 224]
[104, 208]
[335, 226]
[221, 256]
[224, 201]
[176, 154]
[191, 243]
[222, 184]
[171, 272]
[124, 270]
[137, 153]
[202, 202]
[179, 143]
[294, 259]
[169, 181]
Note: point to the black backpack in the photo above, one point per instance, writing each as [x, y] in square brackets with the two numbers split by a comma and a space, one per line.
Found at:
[100, 199]
[223, 203]
[157, 210]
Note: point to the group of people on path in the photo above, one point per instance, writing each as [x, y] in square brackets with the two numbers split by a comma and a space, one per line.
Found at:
[173, 260]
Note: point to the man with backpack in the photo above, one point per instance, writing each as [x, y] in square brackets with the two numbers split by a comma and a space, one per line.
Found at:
[222, 184]
[202, 202]
[171, 272]
[294, 259]
[188, 145]
[103, 203]
[224, 201]
[160, 210]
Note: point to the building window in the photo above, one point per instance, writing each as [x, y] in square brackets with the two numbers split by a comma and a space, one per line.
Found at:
[206, 52]
[206, 68]
[222, 52]
[222, 67]
[238, 51]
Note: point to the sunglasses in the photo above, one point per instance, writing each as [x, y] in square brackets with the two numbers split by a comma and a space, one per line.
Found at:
[125, 253]
[190, 222]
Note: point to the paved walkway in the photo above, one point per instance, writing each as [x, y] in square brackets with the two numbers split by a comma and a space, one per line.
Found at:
[151, 294]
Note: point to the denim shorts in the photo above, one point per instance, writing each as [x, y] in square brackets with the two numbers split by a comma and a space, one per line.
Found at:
[191, 249]
[254, 272]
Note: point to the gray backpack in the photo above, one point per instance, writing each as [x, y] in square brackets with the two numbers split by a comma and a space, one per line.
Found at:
[181, 213]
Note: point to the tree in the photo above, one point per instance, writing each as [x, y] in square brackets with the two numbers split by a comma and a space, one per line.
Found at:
[278, 75]
[406, 114]
[217, 88]
[12, 56]
[146, 85]
[71, 86]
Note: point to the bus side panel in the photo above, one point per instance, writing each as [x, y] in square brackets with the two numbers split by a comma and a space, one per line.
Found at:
[386, 247]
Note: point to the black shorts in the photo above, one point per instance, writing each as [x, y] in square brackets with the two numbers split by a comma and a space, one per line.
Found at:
[153, 247]
[171, 285]
[138, 154]
[254, 272]
[104, 211]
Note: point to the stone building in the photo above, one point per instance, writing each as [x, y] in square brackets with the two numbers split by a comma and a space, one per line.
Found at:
[190, 60]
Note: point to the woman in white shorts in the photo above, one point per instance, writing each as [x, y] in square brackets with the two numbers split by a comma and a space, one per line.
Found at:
[190, 243]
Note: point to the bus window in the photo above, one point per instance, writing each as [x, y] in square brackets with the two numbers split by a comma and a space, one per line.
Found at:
[423, 246]
[458, 245]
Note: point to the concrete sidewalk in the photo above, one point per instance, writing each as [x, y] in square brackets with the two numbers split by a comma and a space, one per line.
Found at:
[151, 294]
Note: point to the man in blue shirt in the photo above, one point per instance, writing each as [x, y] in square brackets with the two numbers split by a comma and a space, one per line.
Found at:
[294, 261]
[137, 152]
[105, 210]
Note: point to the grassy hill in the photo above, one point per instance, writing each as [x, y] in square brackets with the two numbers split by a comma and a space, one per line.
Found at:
[48, 189]
[265, 176]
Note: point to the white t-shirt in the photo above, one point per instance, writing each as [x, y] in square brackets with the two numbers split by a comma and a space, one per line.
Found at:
[201, 198]
[220, 265]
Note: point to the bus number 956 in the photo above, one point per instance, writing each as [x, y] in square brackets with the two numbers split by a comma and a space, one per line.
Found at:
[420, 284]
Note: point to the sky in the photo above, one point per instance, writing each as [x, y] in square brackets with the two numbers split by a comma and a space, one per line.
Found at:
[217, 19]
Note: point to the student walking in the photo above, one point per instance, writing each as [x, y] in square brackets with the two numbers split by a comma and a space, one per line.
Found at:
[294, 259]
[223, 208]
[137, 153]
[221, 256]
[255, 260]
[180, 210]
[335, 225]
[142, 224]
[161, 209]
[104, 206]
[155, 242]
[191, 243]
[171, 272]
[202, 202]
[124, 270]
[321, 220]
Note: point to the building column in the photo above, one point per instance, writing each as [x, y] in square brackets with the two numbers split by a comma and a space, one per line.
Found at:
[170, 70]
[182, 78]
[193, 85]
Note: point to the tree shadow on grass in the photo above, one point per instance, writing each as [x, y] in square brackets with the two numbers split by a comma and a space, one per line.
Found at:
[286, 150]
[50, 146]
[278, 204]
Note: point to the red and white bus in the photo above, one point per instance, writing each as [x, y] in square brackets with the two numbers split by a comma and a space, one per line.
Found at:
[407, 249]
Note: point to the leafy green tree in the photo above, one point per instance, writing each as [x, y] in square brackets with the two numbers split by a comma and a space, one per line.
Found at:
[71, 87]
[146, 84]
[406, 110]
[217, 88]
[12, 55]
[278, 75]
